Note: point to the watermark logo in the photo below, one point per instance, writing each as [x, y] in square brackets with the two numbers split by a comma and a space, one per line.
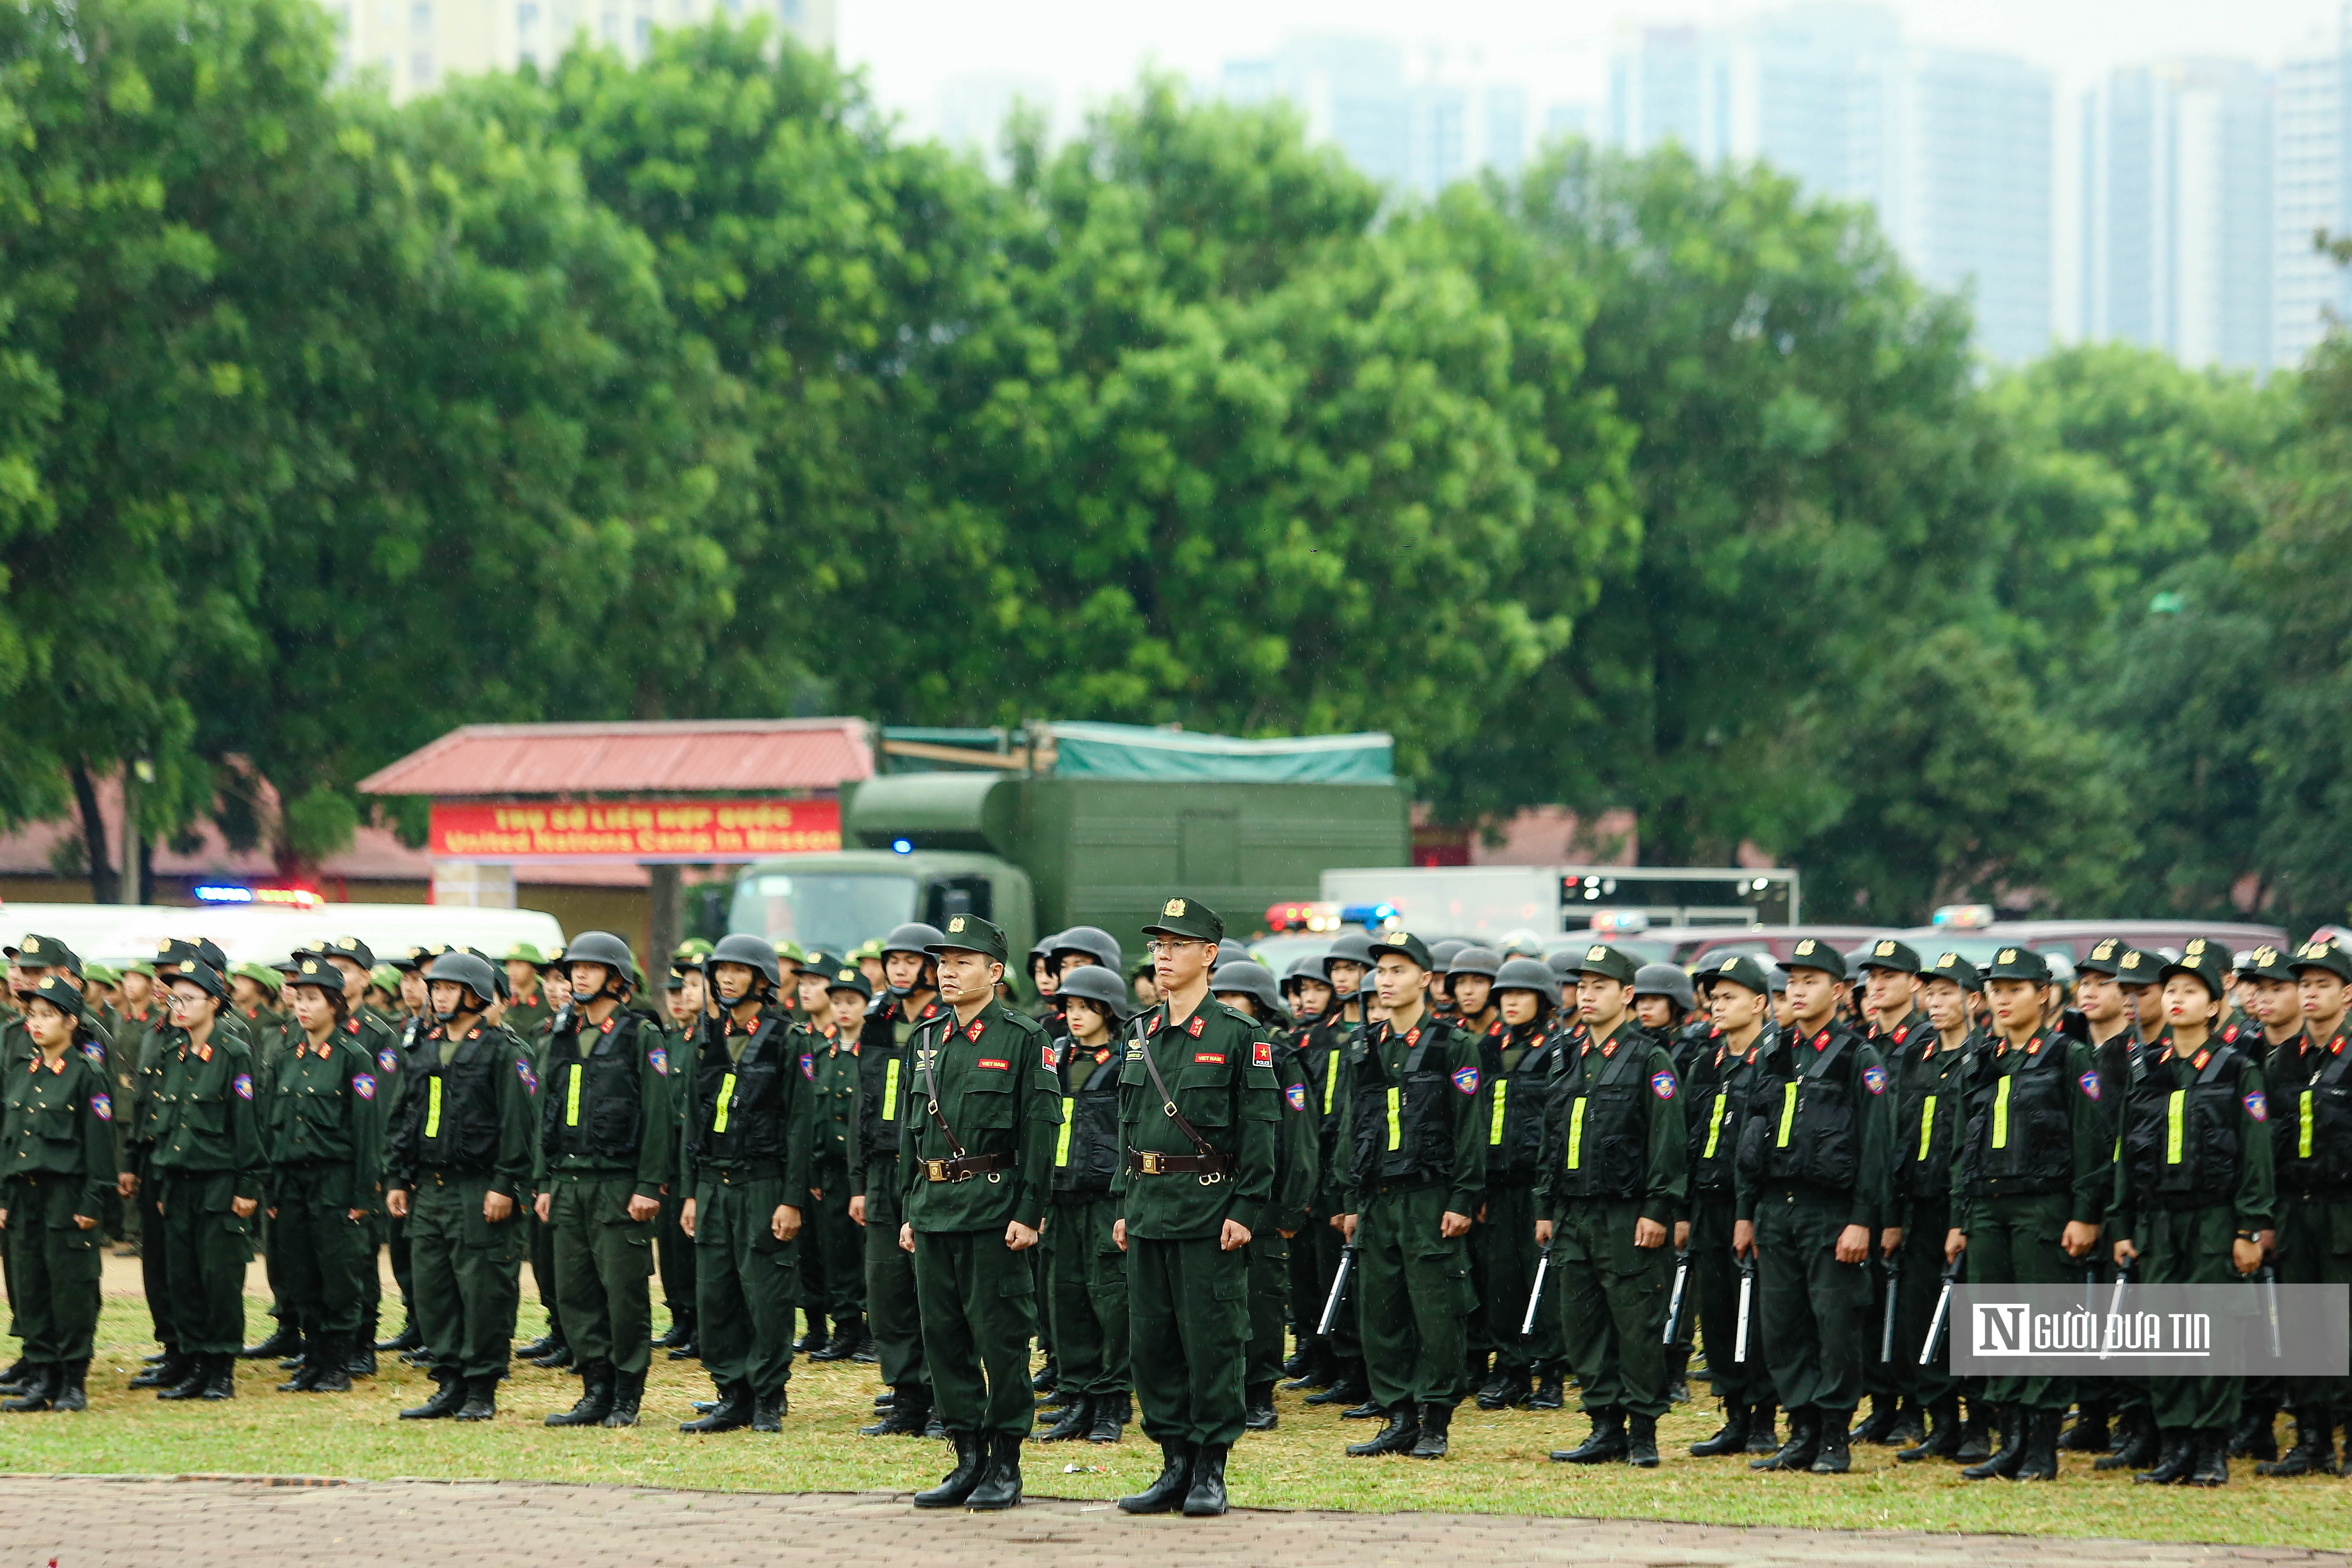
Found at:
[2106, 1327]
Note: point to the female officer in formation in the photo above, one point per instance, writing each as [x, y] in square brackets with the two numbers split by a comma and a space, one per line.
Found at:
[57, 1137]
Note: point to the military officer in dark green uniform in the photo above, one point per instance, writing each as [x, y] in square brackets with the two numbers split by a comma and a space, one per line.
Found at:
[57, 1161]
[1414, 1154]
[840, 993]
[608, 1123]
[2194, 1193]
[1337, 1372]
[1615, 1179]
[527, 1003]
[1813, 1174]
[356, 964]
[2029, 1190]
[909, 1000]
[749, 1131]
[326, 1153]
[1085, 1277]
[1930, 1119]
[977, 1129]
[1199, 1121]
[1518, 1062]
[1738, 992]
[1890, 1018]
[461, 1163]
[2311, 1142]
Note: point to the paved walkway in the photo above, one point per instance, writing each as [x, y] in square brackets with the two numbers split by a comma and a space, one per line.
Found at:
[95, 1522]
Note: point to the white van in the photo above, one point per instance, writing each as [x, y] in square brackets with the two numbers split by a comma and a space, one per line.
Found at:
[262, 933]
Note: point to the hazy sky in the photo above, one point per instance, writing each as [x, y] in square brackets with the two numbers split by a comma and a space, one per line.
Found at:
[1088, 50]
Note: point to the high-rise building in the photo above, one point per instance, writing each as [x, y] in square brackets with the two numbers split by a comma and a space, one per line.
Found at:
[1952, 148]
[413, 44]
[2179, 230]
[1418, 122]
[2310, 171]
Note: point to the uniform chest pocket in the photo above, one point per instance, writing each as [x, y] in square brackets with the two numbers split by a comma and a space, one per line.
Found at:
[57, 1124]
[988, 1098]
[1205, 1095]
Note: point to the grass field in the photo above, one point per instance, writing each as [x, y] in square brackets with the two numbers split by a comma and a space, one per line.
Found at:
[1497, 1463]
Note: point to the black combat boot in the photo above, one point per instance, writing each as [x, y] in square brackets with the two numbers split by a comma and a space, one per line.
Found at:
[2314, 1453]
[1398, 1435]
[1641, 1442]
[557, 1355]
[849, 1337]
[2041, 1462]
[2088, 1434]
[629, 1398]
[971, 1459]
[1910, 1424]
[1346, 1387]
[1048, 1378]
[595, 1400]
[531, 1351]
[907, 1416]
[285, 1338]
[1942, 1438]
[1834, 1457]
[677, 1333]
[1976, 1442]
[411, 1337]
[330, 1370]
[359, 1355]
[221, 1381]
[1434, 1420]
[19, 1372]
[2256, 1436]
[168, 1371]
[1111, 1413]
[1803, 1445]
[196, 1371]
[1508, 1388]
[1300, 1361]
[1206, 1499]
[1605, 1442]
[2212, 1467]
[75, 1395]
[1257, 1409]
[41, 1382]
[449, 1393]
[768, 1412]
[481, 1400]
[732, 1413]
[1880, 1426]
[1729, 1438]
[2180, 1458]
[1762, 1435]
[1168, 1492]
[1076, 1420]
[1550, 1391]
[2135, 1442]
[1000, 1481]
[2002, 1463]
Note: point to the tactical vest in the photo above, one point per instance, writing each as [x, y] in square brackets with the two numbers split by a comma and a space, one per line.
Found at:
[1518, 1097]
[1925, 1115]
[457, 1103]
[2181, 1144]
[589, 1104]
[884, 1069]
[1403, 1130]
[1322, 1046]
[2019, 1123]
[1604, 1123]
[1718, 1096]
[1085, 1149]
[743, 1107]
[2311, 1129]
[1804, 1124]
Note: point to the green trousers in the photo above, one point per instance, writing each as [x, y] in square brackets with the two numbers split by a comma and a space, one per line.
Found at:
[675, 1254]
[205, 1250]
[979, 1303]
[833, 1269]
[1610, 1296]
[2015, 1241]
[2190, 1247]
[323, 1254]
[1187, 1307]
[604, 1260]
[1268, 1253]
[54, 1267]
[154, 1273]
[468, 1273]
[746, 1282]
[1503, 1258]
[892, 1312]
[1414, 1294]
[1085, 1296]
[1816, 1310]
[1714, 1290]
[2315, 1247]
[1314, 1260]
[1920, 1286]
[542, 1270]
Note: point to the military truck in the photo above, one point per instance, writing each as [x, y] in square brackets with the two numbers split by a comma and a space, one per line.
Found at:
[1098, 825]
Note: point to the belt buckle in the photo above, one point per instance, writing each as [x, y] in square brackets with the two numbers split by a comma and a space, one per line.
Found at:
[1151, 1163]
[935, 1169]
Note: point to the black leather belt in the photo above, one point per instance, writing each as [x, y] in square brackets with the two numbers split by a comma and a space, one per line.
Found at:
[1145, 1162]
[964, 1167]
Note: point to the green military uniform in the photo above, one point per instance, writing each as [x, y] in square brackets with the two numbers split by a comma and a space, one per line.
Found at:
[465, 1132]
[1614, 1156]
[1086, 1275]
[1415, 1150]
[978, 1120]
[2310, 1106]
[327, 1147]
[1719, 1087]
[884, 1069]
[1298, 1173]
[56, 1159]
[1891, 1383]
[1813, 1162]
[749, 1129]
[379, 1036]
[207, 1155]
[2036, 1159]
[608, 1121]
[1314, 1251]
[2194, 1173]
[129, 1033]
[835, 1283]
[1931, 1077]
[1515, 1073]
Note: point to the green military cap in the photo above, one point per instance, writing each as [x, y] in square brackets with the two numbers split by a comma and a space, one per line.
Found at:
[385, 978]
[969, 933]
[1605, 961]
[2208, 960]
[2138, 966]
[870, 948]
[792, 952]
[2330, 956]
[1741, 968]
[1951, 966]
[1812, 952]
[523, 953]
[352, 948]
[1192, 918]
[140, 967]
[45, 953]
[1405, 945]
[676, 980]
[177, 950]
[316, 972]
[693, 950]
[1887, 952]
[261, 974]
[2018, 963]
[101, 975]
[54, 990]
[2263, 961]
[820, 961]
[2105, 957]
[845, 975]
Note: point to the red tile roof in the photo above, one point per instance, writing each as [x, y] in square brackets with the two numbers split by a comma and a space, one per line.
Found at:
[711, 756]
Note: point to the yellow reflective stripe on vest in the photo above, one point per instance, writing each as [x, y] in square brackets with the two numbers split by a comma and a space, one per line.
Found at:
[1495, 1127]
[2000, 1113]
[2303, 1132]
[1788, 1110]
[2172, 1106]
[890, 1090]
[1062, 1144]
[1927, 1126]
[1576, 1133]
[1330, 1079]
[717, 1123]
[433, 1106]
[1396, 1118]
[572, 1094]
[1715, 1128]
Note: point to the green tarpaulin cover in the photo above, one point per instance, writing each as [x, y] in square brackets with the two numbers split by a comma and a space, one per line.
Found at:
[1135, 752]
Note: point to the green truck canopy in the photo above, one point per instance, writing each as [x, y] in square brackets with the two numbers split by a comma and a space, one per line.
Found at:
[1134, 752]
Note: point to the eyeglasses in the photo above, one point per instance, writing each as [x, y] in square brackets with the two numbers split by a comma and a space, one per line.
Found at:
[1171, 947]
